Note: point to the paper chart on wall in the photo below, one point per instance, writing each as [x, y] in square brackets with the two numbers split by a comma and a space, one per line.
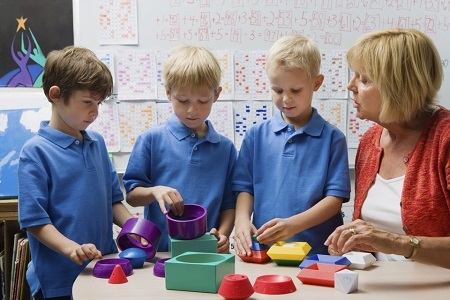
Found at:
[107, 124]
[164, 111]
[118, 24]
[161, 57]
[135, 117]
[356, 127]
[335, 70]
[251, 81]
[246, 114]
[334, 111]
[222, 118]
[107, 57]
[136, 75]
[226, 62]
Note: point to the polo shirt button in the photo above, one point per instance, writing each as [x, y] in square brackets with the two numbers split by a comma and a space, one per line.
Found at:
[77, 142]
[290, 141]
[195, 148]
[405, 159]
[193, 135]
[289, 129]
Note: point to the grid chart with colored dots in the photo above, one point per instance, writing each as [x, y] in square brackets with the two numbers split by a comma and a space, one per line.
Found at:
[135, 117]
[118, 22]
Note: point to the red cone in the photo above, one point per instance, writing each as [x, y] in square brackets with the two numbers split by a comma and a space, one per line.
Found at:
[118, 276]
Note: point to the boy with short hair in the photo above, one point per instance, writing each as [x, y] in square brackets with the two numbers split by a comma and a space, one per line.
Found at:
[69, 192]
[185, 160]
[292, 172]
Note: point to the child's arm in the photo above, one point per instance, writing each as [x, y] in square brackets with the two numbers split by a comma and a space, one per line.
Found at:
[55, 240]
[281, 229]
[226, 227]
[141, 196]
[244, 229]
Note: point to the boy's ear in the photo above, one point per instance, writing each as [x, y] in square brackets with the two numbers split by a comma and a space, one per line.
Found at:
[168, 94]
[318, 82]
[217, 93]
[55, 94]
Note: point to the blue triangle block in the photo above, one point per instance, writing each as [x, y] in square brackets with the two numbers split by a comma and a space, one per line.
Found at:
[326, 259]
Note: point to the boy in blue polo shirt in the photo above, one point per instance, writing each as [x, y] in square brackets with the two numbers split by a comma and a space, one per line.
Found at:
[292, 172]
[185, 160]
[69, 193]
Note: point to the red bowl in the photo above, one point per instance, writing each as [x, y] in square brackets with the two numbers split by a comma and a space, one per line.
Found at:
[274, 285]
[235, 287]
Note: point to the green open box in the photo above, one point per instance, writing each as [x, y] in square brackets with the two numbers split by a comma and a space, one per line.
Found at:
[198, 271]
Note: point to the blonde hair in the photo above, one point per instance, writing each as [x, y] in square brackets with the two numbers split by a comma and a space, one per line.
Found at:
[295, 52]
[405, 66]
[192, 66]
[76, 68]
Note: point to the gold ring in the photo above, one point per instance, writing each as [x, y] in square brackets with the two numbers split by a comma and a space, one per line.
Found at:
[352, 231]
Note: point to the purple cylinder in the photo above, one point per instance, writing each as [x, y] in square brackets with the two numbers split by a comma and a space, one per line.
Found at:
[142, 228]
[190, 225]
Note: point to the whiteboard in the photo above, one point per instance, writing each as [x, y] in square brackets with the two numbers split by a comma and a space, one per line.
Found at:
[256, 24]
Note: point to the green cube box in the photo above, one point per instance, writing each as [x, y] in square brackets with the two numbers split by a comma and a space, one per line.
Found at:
[198, 271]
[205, 243]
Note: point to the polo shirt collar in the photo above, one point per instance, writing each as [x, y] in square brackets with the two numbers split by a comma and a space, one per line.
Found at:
[313, 128]
[181, 132]
[59, 138]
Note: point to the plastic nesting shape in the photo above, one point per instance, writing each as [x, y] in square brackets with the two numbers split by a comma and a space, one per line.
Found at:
[360, 260]
[105, 267]
[325, 259]
[274, 285]
[136, 256]
[320, 274]
[190, 225]
[158, 269]
[236, 287]
[289, 253]
[141, 228]
[198, 271]
[259, 253]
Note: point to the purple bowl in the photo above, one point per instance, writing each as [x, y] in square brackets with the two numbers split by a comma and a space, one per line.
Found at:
[158, 269]
[142, 228]
[190, 225]
[104, 267]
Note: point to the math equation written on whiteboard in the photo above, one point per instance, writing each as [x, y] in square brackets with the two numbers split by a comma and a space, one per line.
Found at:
[261, 22]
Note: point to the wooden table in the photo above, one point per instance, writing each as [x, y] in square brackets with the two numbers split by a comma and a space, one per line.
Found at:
[382, 281]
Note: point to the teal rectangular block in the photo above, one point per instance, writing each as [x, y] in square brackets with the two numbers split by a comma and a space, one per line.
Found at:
[198, 271]
[206, 243]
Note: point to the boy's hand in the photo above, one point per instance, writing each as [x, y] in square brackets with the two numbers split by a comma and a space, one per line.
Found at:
[243, 232]
[165, 194]
[84, 252]
[275, 230]
[223, 244]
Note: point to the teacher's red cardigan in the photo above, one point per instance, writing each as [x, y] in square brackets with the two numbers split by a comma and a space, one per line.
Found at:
[425, 201]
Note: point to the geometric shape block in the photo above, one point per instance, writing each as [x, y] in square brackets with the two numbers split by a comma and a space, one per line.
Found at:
[197, 271]
[346, 281]
[257, 246]
[257, 257]
[288, 253]
[274, 285]
[205, 243]
[158, 268]
[142, 228]
[320, 274]
[236, 287]
[190, 225]
[117, 276]
[104, 267]
[325, 259]
[136, 256]
[360, 260]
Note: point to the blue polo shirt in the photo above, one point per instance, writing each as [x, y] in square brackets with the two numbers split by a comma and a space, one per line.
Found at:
[71, 184]
[200, 169]
[289, 171]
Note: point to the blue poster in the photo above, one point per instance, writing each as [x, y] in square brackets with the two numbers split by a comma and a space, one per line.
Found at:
[16, 127]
